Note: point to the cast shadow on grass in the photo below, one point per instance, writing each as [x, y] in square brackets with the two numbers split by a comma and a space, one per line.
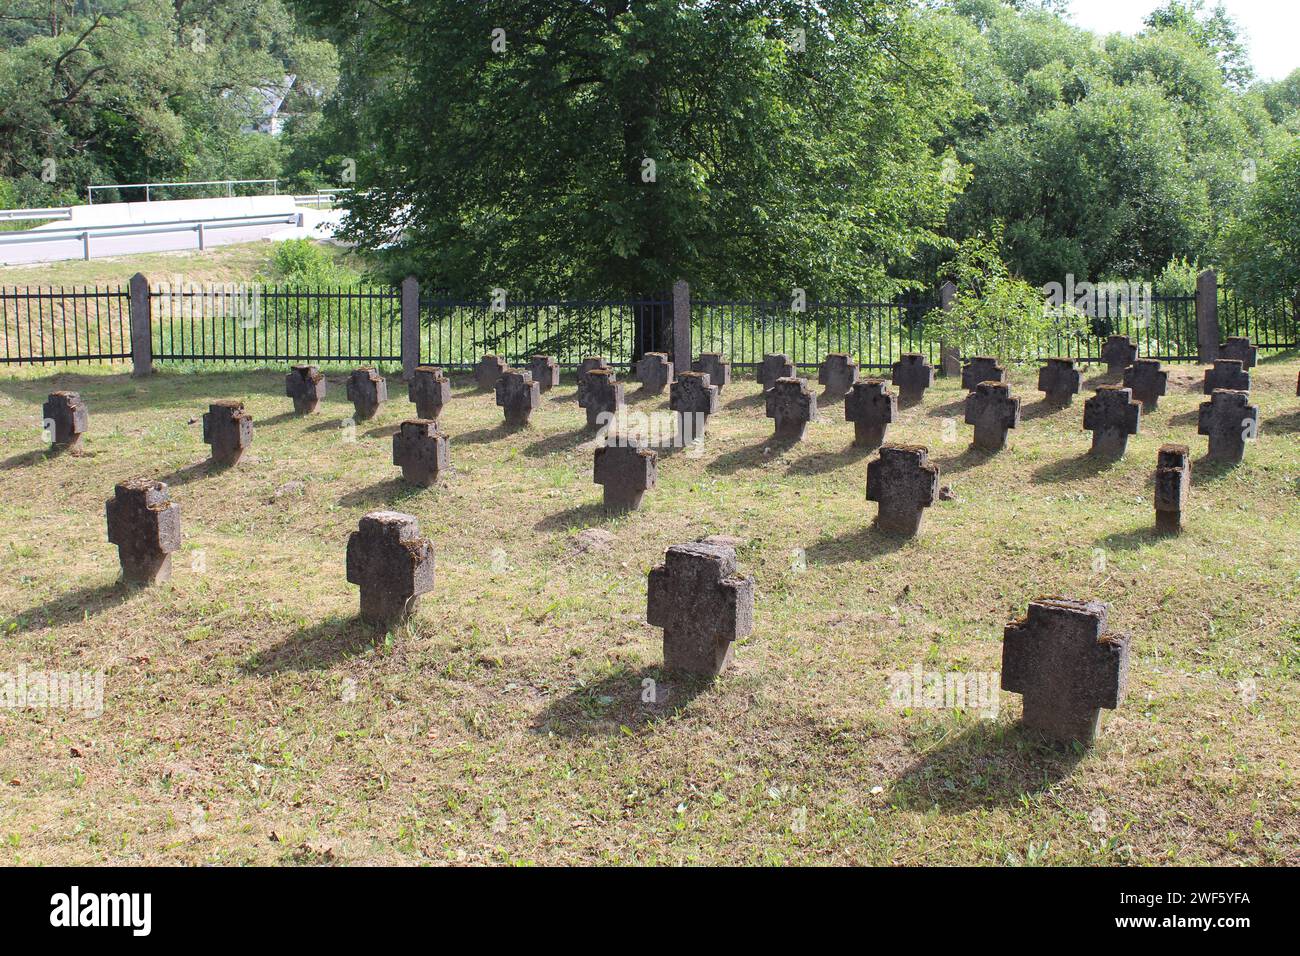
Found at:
[388, 492]
[25, 460]
[642, 397]
[579, 516]
[1185, 419]
[970, 457]
[276, 419]
[1283, 424]
[745, 401]
[1205, 470]
[75, 605]
[382, 431]
[1134, 540]
[751, 456]
[483, 436]
[1102, 378]
[1077, 468]
[860, 544]
[200, 469]
[326, 424]
[988, 765]
[316, 647]
[1043, 409]
[819, 463]
[954, 409]
[604, 708]
[564, 441]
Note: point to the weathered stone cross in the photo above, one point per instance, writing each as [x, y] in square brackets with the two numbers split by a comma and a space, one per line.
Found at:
[913, 375]
[1059, 380]
[488, 370]
[430, 390]
[654, 372]
[1118, 353]
[391, 563]
[518, 395]
[993, 410]
[717, 368]
[774, 366]
[981, 368]
[306, 386]
[1226, 373]
[420, 449]
[1173, 485]
[694, 398]
[1061, 658]
[545, 370]
[792, 405]
[68, 418]
[367, 390]
[870, 406]
[1147, 381]
[145, 525]
[838, 372]
[702, 606]
[228, 429]
[1228, 419]
[904, 482]
[626, 471]
[1111, 415]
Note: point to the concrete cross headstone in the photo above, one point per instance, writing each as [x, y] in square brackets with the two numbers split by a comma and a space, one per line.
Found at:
[306, 386]
[626, 471]
[602, 396]
[488, 370]
[717, 368]
[654, 371]
[1111, 415]
[791, 404]
[702, 605]
[518, 395]
[545, 370]
[871, 407]
[1229, 421]
[392, 565]
[981, 368]
[694, 398]
[66, 419]
[420, 449]
[1065, 663]
[1226, 373]
[1148, 382]
[1059, 380]
[228, 429]
[1238, 347]
[1118, 353]
[837, 373]
[913, 375]
[430, 390]
[903, 482]
[367, 390]
[993, 410]
[774, 366]
[1173, 485]
[145, 524]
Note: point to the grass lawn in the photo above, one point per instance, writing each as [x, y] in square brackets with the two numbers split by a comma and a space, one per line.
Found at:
[250, 718]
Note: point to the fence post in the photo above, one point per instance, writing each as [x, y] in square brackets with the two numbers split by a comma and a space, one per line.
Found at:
[410, 326]
[1207, 317]
[949, 359]
[141, 327]
[681, 325]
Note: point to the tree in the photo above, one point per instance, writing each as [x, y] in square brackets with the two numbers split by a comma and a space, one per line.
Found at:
[1261, 252]
[1216, 32]
[608, 148]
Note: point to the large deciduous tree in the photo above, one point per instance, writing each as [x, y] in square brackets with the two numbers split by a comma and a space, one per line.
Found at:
[608, 147]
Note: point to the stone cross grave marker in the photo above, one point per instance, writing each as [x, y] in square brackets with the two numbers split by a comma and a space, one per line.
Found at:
[1238, 347]
[717, 368]
[145, 524]
[791, 404]
[981, 368]
[1067, 666]
[654, 371]
[903, 482]
[66, 420]
[913, 375]
[420, 449]
[1148, 382]
[228, 429]
[626, 471]
[306, 386]
[838, 372]
[1228, 420]
[1118, 353]
[367, 390]
[518, 395]
[702, 605]
[774, 366]
[601, 396]
[545, 370]
[1226, 373]
[430, 390]
[488, 370]
[694, 398]
[391, 563]
[1173, 486]
[993, 410]
[1111, 415]
[871, 407]
[1059, 380]
[588, 365]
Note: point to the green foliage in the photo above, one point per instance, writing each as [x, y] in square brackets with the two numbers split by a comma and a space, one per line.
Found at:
[306, 264]
[996, 313]
[1261, 252]
[526, 167]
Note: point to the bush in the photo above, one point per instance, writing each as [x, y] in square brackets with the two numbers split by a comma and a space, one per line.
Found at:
[995, 313]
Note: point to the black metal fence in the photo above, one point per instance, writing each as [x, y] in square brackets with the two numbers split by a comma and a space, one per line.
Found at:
[55, 325]
[876, 333]
[260, 324]
[456, 334]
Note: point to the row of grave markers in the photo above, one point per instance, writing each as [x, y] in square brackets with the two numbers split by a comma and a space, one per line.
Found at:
[1060, 656]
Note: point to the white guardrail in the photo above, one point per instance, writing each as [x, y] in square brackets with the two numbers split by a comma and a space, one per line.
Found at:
[87, 233]
[52, 212]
